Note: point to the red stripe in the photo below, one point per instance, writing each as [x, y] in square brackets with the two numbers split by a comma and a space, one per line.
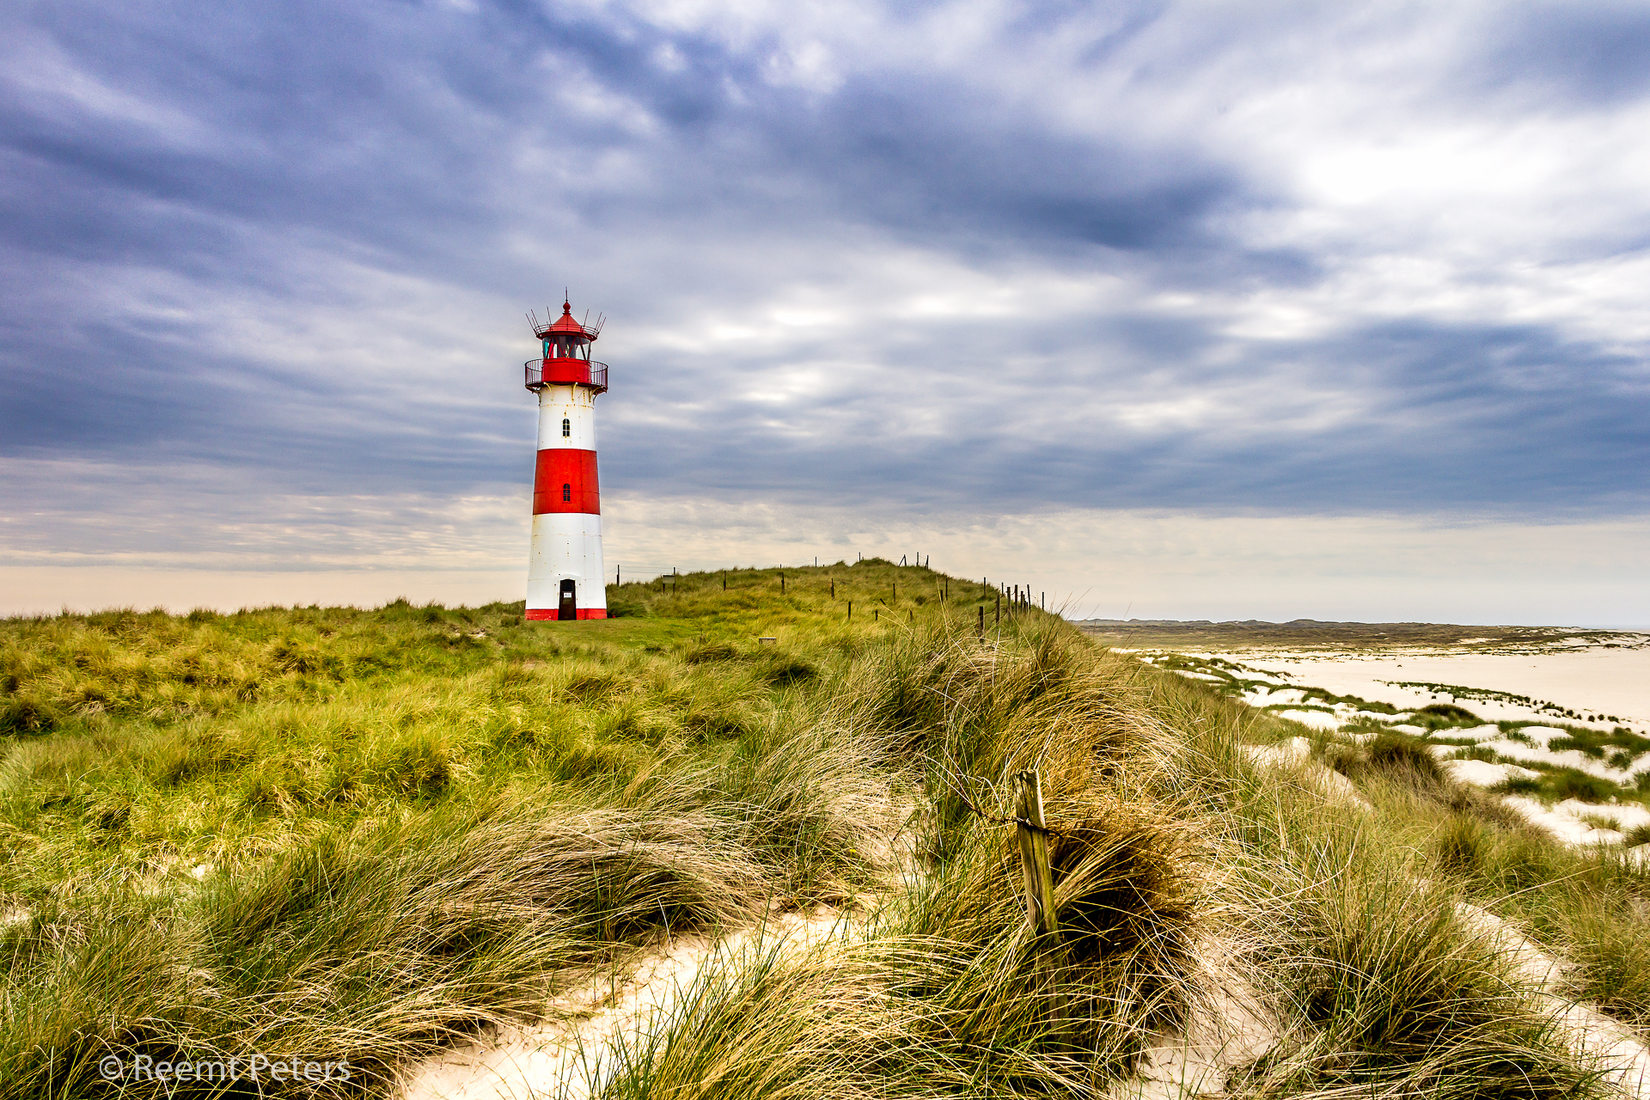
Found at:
[565, 481]
[541, 613]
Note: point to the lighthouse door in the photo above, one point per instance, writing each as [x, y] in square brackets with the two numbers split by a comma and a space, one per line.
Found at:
[569, 604]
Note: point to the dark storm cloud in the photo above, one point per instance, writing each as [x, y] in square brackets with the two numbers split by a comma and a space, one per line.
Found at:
[313, 119]
[397, 133]
[222, 162]
[1478, 418]
[932, 157]
[1568, 54]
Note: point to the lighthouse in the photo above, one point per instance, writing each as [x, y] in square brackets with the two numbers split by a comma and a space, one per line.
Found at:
[565, 576]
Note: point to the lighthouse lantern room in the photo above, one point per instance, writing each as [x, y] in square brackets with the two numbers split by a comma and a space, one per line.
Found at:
[565, 575]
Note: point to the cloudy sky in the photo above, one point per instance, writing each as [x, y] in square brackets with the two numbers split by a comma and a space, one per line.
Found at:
[1201, 310]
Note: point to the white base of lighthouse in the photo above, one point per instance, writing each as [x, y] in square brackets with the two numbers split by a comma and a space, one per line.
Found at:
[567, 550]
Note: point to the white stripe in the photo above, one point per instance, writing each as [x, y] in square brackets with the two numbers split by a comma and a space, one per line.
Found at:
[566, 546]
[574, 404]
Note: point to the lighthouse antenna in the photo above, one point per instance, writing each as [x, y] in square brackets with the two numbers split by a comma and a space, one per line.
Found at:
[601, 319]
[533, 319]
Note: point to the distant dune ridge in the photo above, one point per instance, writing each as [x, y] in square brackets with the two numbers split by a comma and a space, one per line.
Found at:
[1311, 633]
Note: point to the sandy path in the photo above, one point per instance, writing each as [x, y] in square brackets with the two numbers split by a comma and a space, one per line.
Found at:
[1596, 1038]
[1229, 1027]
[564, 1056]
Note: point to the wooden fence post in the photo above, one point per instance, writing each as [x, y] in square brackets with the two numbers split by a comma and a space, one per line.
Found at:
[982, 620]
[1033, 837]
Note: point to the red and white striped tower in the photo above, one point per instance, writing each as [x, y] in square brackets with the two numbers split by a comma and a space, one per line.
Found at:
[565, 575]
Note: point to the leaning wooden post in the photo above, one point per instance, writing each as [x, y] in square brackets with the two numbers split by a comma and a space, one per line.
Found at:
[1033, 836]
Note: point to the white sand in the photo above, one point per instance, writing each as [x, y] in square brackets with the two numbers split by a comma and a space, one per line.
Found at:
[1582, 824]
[1607, 686]
[1595, 680]
[1483, 773]
[1613, 683]
[1296, 754]
[1230, 1025]
[569, 1054]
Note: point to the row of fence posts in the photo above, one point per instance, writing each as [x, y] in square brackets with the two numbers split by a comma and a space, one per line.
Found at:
[1019, 599]
[1018, 596]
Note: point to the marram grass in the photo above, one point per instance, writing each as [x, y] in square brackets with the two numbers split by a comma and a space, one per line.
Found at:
[359, 835]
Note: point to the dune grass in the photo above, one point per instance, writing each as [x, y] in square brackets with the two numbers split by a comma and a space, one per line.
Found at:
[1586, 906]
[1176, 849]
[358, 835]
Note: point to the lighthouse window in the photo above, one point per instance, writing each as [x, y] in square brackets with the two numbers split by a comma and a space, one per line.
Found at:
[566, 427]
[567, 492]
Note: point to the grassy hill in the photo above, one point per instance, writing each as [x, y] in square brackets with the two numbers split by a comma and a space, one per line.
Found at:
[356, 836]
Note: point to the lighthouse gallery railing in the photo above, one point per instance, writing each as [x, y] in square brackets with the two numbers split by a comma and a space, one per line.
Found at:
[577, 372]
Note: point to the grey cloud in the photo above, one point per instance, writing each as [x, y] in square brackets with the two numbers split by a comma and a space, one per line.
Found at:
[1567, 54]
[1486, 418]
[411, 141]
